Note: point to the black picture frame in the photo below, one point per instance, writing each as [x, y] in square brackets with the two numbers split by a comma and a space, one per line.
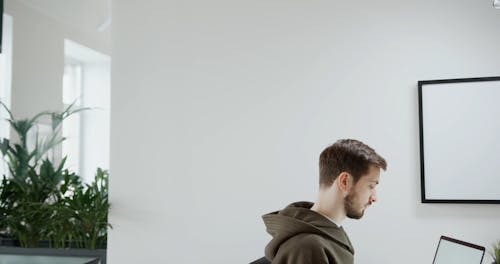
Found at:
[428, 84]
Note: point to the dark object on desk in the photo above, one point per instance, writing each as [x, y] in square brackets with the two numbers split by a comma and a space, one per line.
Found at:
[262, 260]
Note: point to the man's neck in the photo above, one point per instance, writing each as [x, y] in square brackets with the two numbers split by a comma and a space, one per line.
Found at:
[331, 208]
[337, 218]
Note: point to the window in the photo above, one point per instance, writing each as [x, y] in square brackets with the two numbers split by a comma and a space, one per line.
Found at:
[5, 78]
[72, 89]
[86, 83]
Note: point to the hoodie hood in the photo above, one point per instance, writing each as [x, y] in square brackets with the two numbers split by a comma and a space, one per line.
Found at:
[297, 218]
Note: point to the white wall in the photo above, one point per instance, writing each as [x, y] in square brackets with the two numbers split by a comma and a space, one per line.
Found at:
[38, 66]
[38, 58]
[221, 108]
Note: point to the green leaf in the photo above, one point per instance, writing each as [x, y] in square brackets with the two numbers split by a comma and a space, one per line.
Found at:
[4, 146]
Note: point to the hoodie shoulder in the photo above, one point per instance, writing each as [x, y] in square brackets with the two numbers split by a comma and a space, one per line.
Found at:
[298, 230]
[302, 249]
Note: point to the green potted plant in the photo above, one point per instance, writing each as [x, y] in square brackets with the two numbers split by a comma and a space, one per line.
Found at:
[43, 202]
[495, 252]
[31, 189]
[88, 209]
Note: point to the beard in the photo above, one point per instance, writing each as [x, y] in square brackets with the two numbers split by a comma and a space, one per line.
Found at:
[350, 208]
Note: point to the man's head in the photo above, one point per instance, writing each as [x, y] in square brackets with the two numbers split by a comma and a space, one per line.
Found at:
[355, 169]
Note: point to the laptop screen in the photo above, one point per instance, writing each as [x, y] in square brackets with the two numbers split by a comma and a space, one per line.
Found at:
[453, 251]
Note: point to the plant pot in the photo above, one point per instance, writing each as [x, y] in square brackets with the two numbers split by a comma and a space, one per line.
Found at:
[95, 253]
[9, 241]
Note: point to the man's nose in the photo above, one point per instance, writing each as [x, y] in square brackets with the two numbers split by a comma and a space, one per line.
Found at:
[373, 198]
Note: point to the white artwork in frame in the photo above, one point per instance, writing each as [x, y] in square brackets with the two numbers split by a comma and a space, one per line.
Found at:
[460, 140]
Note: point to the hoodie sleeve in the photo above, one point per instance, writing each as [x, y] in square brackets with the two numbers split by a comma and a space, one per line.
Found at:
[302, 249]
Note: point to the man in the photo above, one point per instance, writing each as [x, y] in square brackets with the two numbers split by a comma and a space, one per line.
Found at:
[304, 232]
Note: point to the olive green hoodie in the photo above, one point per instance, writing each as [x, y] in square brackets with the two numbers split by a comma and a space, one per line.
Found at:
[302, 236]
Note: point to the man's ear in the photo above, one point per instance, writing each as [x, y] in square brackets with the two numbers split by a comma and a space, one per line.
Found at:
[344, 181]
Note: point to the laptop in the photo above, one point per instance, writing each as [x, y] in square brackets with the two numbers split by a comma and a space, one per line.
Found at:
[454, 251]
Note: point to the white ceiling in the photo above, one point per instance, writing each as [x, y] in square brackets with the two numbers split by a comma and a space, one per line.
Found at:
[86, 15]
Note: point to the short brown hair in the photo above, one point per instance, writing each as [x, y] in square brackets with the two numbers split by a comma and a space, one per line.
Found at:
[347, 155]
